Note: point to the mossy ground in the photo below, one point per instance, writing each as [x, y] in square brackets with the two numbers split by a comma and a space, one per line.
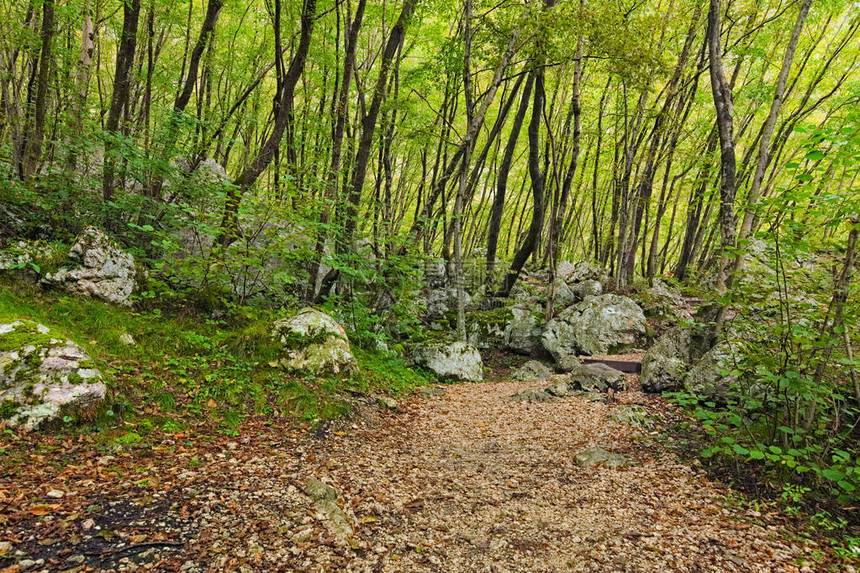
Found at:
[186, 369]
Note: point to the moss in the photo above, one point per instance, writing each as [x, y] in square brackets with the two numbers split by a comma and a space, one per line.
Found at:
[23, 335]
[8, 409]
[75, 378]
[294, 340]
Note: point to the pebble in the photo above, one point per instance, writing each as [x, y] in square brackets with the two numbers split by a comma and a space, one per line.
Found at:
[55, 494]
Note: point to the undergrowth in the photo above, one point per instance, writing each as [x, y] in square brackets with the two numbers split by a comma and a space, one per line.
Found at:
[184, 369]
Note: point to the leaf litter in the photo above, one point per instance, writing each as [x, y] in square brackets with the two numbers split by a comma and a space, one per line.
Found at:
[460, 478]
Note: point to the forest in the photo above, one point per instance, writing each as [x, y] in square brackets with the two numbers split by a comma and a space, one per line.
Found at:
[258, 212]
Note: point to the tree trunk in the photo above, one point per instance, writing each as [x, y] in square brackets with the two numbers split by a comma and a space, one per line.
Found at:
[33, 149]
[537, 178]
[723, 104]
[368, 124]
[121, 88]
[502, 182]
[229, 222]
[337, 145]
[766, 134]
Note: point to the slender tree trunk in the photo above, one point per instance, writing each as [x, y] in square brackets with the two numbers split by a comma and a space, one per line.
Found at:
[723, 104]
[229, 222]
[82, 80]
[830, 334]
[537, 178]
[121, 87]
[766, 134]
[502, 182]
[213, 9]
[33, 149]
[368, 124]
[576, 108]
[341, 115]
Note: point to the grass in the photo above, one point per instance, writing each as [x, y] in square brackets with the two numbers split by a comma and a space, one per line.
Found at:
[184, 368]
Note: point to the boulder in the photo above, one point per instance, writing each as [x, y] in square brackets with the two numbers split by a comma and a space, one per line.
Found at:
[532, 395]
[595, 455]
[587, 288]
[22, 254]
[562, 295]
[313, 342]
[44, 378]
[633, 415]
[664, 302]
[597, 378]
[666, 362]
[665, 365]
[457, 360]
[582, 271]
[436, 274]
[442, 301]
[712, 377]
[324, 497]
[532, 370]
[489, 328]
[524, 329]
[597, 325]
[103, 270]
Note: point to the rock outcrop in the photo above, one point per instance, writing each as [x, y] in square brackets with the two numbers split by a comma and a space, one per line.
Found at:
[313, 342]
[597, 378]
[532, 370]
[453, 360]
[44, 378]
[597, 325]
[712, 377]
[102, 270]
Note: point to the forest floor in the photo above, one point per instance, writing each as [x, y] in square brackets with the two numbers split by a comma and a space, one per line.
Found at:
[459, 478]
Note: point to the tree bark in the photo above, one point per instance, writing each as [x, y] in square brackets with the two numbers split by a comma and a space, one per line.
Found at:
[723, 103]
[368, 124]
[121, 87]
[337, 144]
[33, 149]
[229, 222]
[502, 182]
[537, 179]
[767, 132]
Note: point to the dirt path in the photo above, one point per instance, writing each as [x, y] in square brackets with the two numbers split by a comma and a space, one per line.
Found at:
[471, 481]
[462, 481]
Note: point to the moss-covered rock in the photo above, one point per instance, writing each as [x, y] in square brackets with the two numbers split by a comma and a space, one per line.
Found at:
[99, 268]
[43, 378]
[313, 342]
[455, 360]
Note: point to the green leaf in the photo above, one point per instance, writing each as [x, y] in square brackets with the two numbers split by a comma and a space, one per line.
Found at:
[832, 475]
[815, 155]
[739, 449]
[847, 486]
[757, 454]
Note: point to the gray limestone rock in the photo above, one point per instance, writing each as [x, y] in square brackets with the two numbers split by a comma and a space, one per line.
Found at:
[457, 360]
[313, 342]
[44, 377]
[102, 270]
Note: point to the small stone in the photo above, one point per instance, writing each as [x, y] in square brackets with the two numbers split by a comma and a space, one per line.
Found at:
[55, 494]
[595, 455]
[127, 339]
[88, 524]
